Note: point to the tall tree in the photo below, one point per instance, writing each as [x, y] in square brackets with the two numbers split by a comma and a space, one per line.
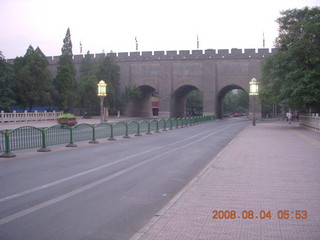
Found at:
[291, 76]
[66, 50]
[65, 81]
[109, 71]
[88, 84]
[32, 79]
[6, 84]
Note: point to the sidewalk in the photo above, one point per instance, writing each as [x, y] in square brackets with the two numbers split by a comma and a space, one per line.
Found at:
[272, 167]
[41, 124]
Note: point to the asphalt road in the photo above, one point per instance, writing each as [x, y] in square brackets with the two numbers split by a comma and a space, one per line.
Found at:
[104, 191]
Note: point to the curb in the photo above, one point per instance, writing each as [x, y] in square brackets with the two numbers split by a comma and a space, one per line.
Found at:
[139, 234]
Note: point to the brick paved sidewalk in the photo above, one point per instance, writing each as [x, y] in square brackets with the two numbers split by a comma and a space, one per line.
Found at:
[271, 167]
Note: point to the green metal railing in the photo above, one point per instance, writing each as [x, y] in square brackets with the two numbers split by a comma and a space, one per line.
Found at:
[31, 137]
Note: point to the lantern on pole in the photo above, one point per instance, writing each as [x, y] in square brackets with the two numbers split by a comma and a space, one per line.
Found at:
[102, 93]
[254, 91]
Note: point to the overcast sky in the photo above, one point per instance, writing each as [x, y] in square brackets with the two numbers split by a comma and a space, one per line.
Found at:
[158, 24]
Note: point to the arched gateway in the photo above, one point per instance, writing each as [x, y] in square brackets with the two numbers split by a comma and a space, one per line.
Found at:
[174, 74]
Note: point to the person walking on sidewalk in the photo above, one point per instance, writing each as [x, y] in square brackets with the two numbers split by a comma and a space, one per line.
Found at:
[289, 117]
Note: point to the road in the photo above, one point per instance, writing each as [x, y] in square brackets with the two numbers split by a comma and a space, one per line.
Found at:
[104, 191]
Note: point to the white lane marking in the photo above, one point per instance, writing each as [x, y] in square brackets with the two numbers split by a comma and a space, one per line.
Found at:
[72, 177]
[103, 180]
[21, 194]
[94, 184]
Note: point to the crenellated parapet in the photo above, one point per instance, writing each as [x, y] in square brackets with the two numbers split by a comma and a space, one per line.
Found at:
[168, 55]
[150, 56]
[175, 55]
[194, 54]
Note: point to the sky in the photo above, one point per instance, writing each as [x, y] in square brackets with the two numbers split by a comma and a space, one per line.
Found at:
[158, 25]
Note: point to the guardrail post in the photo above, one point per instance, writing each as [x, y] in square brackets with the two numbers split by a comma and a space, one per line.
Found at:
[182, 121]
[94, 141]
[157, 129]
[44, 147]
[171, 120]
[111, 133]
[71, 144]
[165, 126]
[177, 123]
[127, 131]
[138, 130]
[7, 153]
[149, 128]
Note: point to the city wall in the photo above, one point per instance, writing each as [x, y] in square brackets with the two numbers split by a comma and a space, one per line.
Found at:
[174, 73]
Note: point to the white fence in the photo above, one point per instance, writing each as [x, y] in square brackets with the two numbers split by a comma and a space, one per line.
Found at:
[312, 121]
[28, 116]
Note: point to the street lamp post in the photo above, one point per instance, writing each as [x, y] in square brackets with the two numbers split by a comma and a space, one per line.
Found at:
[254, 90]
[102, 93]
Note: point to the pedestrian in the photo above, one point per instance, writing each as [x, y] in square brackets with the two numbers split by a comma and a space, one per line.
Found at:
[289, 117]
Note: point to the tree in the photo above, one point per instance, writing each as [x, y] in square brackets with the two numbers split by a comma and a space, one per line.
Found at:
[131, 93]
[292, 75]
[32, 78]
[66, 57]
[88, 84]
[109, 71]
[236, 101]
[65, 87]
[194, 102]
[65, 81]
[6, 84]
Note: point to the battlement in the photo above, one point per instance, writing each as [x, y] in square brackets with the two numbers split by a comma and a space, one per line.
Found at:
[174, 55]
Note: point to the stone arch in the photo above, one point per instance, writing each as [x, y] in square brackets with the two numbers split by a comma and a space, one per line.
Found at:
[141, 107]
[221, 95]
[178, 100]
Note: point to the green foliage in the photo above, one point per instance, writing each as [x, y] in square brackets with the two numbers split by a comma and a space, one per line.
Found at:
[236, 102]
[32, 79]
[109, 71]
[66, 50]
[65, 87]
[131, 93]
[194, 102]
[88, 92]
[65, 83]
[66, 116]
[6, 84]
[292, 75]
[88, 84]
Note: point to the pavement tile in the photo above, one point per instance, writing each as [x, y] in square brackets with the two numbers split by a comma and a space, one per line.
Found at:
[271, 167]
